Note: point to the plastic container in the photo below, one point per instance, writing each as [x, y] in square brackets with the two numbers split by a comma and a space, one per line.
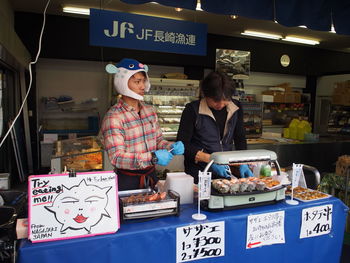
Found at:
[265, 170]
[286, 133]
[4, 181]
[182, 184]
[302, 128]
[293, 129]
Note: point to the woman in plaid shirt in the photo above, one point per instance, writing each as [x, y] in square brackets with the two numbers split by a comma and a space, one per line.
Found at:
[131, 133]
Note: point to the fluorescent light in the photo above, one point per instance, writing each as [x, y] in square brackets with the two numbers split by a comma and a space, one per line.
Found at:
[199, 6]
[76, 10]
[261, 34]
[301, 40]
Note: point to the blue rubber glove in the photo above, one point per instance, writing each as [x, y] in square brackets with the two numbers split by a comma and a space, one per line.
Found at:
[164, 157]
[245, 171]
[177, 148]
[221, 170]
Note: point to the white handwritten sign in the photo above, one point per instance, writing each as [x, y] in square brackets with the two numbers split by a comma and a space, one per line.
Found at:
[200, 241]
[204, 185]
[316, 221]
[265, 229]
[297, 173]
[62, 207]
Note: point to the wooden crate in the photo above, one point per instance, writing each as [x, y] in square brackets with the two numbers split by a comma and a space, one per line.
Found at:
[343, 164]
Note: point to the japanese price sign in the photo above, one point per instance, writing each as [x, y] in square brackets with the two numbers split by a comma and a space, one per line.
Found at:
[316, 221]
[204, 185]
[265, 229]
[200, 241]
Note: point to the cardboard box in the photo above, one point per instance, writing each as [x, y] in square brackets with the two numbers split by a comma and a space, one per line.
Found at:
[292, 97]
[341, 99]
[277, 96]
[4, 181]
[264, 98]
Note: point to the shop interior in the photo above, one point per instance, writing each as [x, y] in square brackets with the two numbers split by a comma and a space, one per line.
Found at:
[295, 98]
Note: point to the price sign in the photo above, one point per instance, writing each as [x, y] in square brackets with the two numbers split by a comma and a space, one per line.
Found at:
[297, 172]
[316, 221]
[200, 241]
[204, 185]
[265, 229]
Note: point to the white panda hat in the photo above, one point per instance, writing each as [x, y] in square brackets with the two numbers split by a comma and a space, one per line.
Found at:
[123, 72]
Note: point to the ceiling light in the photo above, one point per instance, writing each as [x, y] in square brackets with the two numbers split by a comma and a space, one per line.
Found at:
[301, 40]
[178, 9]
[261, 34]
[302, 26]
[199, 6]
[233, 17]
[76, 10]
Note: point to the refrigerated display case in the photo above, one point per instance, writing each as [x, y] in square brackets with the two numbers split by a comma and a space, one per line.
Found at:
[80, 154]
[252, 118]
[339, 119]
[169, 97]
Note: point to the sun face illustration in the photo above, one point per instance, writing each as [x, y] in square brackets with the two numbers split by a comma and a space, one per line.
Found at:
[80, 207]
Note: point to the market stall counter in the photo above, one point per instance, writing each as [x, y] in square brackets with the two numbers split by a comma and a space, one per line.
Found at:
[156, 240]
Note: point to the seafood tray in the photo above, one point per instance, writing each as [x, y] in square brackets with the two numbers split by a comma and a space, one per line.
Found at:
[146, 203]
[242, 193]
[307, 195]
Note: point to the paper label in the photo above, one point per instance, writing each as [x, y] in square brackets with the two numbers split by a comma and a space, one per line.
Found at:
[204, 185]
[265, 229]
[316, 221]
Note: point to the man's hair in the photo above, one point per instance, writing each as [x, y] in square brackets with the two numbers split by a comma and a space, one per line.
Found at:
[218, 86]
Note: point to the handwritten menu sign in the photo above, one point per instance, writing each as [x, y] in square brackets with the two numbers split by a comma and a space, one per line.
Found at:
[204, 185]
[265, 229]
[316, 221]
[62, 207]
[200, 241]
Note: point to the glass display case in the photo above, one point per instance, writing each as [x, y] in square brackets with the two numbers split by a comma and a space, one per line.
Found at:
[169, 96]
[252, 118]
[80, 154]
[339, 119]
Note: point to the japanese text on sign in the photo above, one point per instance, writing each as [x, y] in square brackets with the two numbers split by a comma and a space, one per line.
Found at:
[265, 229]
[316, 221]
[204, 185]
[200, 241]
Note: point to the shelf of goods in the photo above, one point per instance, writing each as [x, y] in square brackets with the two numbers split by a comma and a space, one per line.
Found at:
[339, 119]
[252, 118]
[169, 96]
[282, 113]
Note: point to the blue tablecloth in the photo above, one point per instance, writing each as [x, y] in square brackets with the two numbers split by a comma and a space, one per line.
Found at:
[155, 240]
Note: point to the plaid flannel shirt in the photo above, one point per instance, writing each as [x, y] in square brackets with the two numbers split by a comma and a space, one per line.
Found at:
[129, 137]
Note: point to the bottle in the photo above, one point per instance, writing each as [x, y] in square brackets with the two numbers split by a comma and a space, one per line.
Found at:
[265, 170]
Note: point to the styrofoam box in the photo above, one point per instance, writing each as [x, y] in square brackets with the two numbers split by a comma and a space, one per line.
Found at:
[181, 183]
[4, 181]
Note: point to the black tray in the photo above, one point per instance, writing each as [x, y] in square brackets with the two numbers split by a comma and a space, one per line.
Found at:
[172, 194]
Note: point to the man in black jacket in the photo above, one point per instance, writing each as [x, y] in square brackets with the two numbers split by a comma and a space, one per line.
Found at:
[212, 124]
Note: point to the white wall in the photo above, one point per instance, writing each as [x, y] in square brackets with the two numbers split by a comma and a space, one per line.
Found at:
[325, 85]
[81, 80]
